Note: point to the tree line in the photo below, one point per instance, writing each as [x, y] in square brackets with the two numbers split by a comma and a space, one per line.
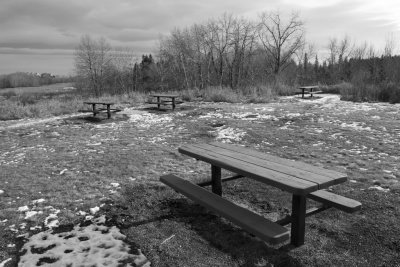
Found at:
[234, 52]
[27, 79]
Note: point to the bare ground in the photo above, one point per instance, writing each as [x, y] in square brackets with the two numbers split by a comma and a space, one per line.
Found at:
[74, 164]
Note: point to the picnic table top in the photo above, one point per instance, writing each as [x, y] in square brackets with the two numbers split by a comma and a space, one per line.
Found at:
[101, 103]
[293, 176]
[309, 87]
[164, 95]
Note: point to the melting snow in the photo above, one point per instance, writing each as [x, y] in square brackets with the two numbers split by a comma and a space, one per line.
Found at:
[92, 245]
[23, 208]
[229, 134]
[94, 210]
[40, 200]
[115, 184]
[377, 187]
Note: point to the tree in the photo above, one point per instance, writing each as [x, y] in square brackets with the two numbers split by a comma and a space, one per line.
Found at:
[280, 40]
[92, 58]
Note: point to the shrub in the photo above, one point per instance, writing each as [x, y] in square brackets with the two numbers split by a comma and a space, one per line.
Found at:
[221, 94]
[259, 94]
[336, 88]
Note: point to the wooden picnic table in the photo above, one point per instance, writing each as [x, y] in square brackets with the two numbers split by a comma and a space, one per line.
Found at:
[309, 89]
[300, 179]
[159, 102]
[108, 108]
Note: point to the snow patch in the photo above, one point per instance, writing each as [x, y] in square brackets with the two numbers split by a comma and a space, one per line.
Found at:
[93, 245]
[229, 134]
[377, 187]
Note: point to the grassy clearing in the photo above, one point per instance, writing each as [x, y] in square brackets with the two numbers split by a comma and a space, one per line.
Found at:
[76, 165]
[54, 100]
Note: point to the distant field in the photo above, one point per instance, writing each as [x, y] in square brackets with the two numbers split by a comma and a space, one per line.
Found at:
[39, 89]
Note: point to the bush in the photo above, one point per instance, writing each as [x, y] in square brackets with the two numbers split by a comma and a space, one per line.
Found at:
[221, 94]
[336, 88]
[259, 94]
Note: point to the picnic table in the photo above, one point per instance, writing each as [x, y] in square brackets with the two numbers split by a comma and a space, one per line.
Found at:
[171, 100]
[300, 179]
[106, 107]
[313, 89]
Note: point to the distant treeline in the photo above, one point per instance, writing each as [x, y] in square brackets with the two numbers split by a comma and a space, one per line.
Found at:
[26, 79]
[237, 53]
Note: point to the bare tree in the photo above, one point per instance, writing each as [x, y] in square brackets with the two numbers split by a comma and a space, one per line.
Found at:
[345, 48]
[360, 51]
[280, 40]
[390, 45]
[333, 50]
[92, 58]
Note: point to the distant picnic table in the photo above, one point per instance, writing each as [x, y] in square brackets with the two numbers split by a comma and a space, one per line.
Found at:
[300, 179]
[106, 107]
[171, 100]
[312, 89]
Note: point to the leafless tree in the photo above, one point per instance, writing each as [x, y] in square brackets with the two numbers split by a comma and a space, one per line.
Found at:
[280, 39]
[345, 48]
[92, 58]
[390, 45]
[333, 50]
[360, 51]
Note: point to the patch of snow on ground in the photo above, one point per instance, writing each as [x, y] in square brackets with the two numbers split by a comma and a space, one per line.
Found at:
[40, 200]
[94, 210]
[23, 208]
[377, 187]
[92, 245]
[3, 263]
[356, 126]
[229, 134]
[146, 120]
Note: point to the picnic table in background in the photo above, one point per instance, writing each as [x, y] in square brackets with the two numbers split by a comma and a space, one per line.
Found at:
[297, 178]
[171, 100]
[106, 107]
[313, 89]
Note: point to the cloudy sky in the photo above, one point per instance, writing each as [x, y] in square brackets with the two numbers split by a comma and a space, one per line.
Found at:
[40, 35]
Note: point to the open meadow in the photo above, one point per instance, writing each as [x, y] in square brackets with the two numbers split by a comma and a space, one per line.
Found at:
[57, 172]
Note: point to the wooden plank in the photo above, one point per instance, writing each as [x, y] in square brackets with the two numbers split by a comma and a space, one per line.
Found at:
[98, 103]
[322, 180]
[339, 177]
[309, 87]
[280, 180]
[164, 95]
[253, 223]
[336, 201]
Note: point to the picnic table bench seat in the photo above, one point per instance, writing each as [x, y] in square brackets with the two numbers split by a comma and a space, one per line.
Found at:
[261, 227]
[336, 201]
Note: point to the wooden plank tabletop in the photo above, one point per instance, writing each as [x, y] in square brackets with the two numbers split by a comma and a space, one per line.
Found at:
[100, 103]
[163, 95]
[292, 176]
[309, 87]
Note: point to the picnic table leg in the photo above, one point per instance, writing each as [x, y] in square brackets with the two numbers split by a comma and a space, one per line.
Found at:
[302, 93]
[298, 220]
[216, 182]
[173, 103]
[108, 112]
[158, 102]
[94, 110]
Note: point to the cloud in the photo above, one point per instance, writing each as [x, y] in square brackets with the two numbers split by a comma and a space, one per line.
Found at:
[54, 26]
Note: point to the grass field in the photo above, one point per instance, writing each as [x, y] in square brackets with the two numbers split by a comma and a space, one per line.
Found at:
[57, 171]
